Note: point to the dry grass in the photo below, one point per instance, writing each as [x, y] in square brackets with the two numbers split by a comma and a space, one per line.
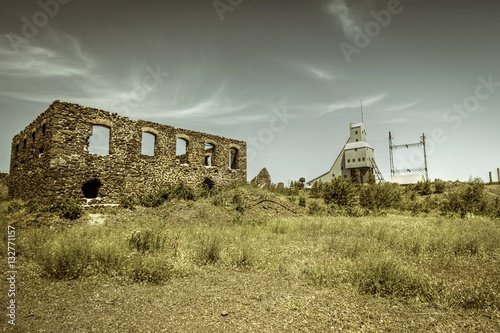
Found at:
[225, 263]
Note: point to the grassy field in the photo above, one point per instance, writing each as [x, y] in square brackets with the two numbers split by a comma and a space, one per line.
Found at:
[248, 260]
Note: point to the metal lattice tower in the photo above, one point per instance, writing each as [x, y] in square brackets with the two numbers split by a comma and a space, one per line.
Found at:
[421, 144]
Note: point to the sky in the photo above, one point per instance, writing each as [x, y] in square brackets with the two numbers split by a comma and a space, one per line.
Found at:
[287, 76]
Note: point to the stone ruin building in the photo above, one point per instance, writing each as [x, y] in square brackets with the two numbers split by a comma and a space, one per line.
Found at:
[72, 151]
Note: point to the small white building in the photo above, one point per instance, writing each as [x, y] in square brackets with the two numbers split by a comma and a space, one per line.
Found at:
[408, 179]
[356, 161]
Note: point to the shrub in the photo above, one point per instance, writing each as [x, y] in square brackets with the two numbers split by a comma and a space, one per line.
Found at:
[66, 208]
[237, 200]
[151, 200]
[468, 200]
[340, 192]
[146, 240]
[150, 269]
[380, 196]
[66, 257]
[302, 201]
[245, 257]
[389, 277]
[177, 191]
[182, 191]
[128, 203]
[475, 296]
[208, 251]
[15, 206]
[424, 188]
[439, 186]
[107, 257]
[315, 208]
[34, 206]
[317, 189]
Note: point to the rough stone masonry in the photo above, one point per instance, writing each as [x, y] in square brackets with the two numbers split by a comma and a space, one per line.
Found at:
[53, 156]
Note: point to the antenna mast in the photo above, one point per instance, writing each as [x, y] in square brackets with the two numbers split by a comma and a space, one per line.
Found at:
[362, 118]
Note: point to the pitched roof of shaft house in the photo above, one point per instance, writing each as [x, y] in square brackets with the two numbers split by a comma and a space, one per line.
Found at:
[51, 157]
[355, 161]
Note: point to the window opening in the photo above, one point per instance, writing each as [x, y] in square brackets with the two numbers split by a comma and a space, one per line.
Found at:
[233, 158]
[209, 154]
[91, 189]
[181, 150]
[44, 129]
[33, 136]
[98, 142]
[148, 144]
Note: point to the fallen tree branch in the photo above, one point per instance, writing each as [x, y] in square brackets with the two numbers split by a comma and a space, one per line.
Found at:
[268, 200]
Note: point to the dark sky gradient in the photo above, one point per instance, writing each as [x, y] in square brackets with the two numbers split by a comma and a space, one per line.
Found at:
[229, 77]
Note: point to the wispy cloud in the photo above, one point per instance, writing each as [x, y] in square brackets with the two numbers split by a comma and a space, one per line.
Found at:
[320, 74]
[349, 22]
[31, 61]
[350, 104]
[309, 70]
[401, 107]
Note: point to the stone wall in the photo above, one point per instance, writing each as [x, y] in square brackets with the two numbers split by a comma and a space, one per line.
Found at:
[51, 158]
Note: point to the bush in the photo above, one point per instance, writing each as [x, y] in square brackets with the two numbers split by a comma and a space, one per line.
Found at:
[66, 208]
[317, 189]
[66, 257]
[208, 251]
[128, 203]
[150, 269]
[245, 257]
[151, 200]
[424, 188]
[182, 191]
[380, 196]
[107, 257]
[302, 201]
[315, 208]
[469, 200]
[340, 192]
[389, 277]
[439, 186]
[15, 206]
[146, 240]
[237, 200]
[179, 191]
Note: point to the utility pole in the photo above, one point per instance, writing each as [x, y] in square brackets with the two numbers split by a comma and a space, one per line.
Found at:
[425, 158]
[390, 154]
